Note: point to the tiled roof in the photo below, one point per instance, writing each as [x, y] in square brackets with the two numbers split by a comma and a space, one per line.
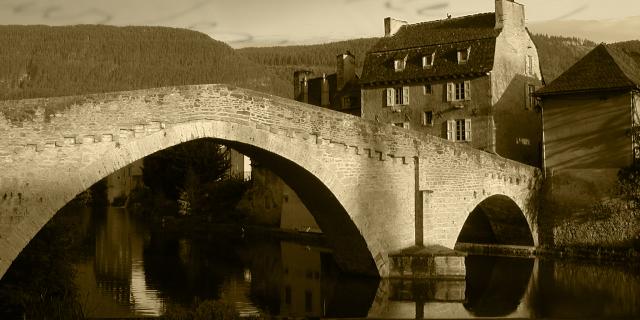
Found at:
[606, 67]
[445, 38]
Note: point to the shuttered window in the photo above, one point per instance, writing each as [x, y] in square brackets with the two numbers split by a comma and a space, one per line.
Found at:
[459, 91]
[459, 130]
[397, 96]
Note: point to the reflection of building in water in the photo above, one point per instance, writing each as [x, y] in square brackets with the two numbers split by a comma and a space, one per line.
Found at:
[272, 202]
[122, 182]
[237, 290]
[118, 266]
[301, 294]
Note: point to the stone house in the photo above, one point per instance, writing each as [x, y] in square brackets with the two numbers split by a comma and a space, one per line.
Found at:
[338, 91]
[467, 79]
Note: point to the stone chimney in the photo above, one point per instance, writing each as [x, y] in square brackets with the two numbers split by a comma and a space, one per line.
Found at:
[300, 85]
[391, 26]
[509, 15]
[345, 69]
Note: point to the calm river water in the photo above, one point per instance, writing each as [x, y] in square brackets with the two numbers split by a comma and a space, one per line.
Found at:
[135, 272]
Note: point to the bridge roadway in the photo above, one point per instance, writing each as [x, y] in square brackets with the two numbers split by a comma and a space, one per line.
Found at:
[373, 188]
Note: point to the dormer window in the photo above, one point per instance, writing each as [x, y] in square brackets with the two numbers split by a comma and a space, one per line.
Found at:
[399, 64]
[463, 55]
[427, 61]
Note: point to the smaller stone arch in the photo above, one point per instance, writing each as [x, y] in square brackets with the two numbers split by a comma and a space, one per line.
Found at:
[497, 220]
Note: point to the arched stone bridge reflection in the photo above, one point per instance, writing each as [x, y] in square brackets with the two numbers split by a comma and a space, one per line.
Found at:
[372, 188]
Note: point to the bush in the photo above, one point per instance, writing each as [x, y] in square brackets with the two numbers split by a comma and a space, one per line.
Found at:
[205, 310]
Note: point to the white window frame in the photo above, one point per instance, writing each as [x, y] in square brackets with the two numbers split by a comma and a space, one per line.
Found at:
[397, 96]
[459, 91]
[426, 64]
[468, 52]
[404, 125]
[459, 130]
[400, 64]
[529, 65]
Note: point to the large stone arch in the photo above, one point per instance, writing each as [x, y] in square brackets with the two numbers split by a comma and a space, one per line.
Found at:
[498, 219]
[314, 180]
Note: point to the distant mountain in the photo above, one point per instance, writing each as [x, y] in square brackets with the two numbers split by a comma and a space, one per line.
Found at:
[39, 61]
[556, 55]
[604, 30]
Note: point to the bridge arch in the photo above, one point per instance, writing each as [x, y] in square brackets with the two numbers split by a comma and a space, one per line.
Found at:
[497, 219]
[315, 181]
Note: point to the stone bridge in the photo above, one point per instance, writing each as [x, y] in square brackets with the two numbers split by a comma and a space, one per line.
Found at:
[373, 188]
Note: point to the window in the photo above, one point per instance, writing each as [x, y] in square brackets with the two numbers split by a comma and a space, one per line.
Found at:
[287, 295]
[459, 91]
[399, 64]
[427, 61]
[401, 125]
[397, 96]
[428, 89]
[531, 100]
[427, 118]
[463, 55]
[459, 130]
[529, 65]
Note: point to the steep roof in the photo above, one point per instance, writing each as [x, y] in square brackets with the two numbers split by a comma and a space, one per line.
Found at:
[606, 67]
[445, 38]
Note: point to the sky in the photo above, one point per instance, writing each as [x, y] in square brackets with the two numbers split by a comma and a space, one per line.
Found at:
[242, 23]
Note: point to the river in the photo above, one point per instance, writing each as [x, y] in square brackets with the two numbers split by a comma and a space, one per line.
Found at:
[135, 271]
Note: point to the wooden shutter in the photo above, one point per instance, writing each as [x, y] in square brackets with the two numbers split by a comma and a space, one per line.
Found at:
[451, 130]
[405, 95]
[467, 90]
[391, 96]
[467, 129]
[451, 88]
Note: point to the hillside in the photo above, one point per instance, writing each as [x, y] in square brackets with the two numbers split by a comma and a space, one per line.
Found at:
[556, 55]
[39, 61]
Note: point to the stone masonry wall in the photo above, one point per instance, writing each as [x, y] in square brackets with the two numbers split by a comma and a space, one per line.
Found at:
[357, 177]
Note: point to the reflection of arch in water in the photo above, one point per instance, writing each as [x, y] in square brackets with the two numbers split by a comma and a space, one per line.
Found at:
[496, 285]
[496, 220]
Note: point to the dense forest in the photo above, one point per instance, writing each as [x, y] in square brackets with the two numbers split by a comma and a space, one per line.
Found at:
[39, 61]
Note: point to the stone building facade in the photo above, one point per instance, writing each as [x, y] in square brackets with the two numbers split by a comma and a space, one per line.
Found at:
[338, 91]
[467, 79]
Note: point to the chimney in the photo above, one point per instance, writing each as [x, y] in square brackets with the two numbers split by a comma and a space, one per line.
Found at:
[509, 15]
[324, 91]
[300, 85]
[345, 69]
[391, 26]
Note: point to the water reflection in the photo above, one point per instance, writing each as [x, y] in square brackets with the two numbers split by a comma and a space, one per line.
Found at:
[137, 271]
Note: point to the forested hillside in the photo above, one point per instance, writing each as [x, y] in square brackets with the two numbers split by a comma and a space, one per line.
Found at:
[318, 58]
[556, 55]
[39, 61]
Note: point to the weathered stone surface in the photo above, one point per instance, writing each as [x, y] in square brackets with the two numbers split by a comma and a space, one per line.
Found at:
[359, 178]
